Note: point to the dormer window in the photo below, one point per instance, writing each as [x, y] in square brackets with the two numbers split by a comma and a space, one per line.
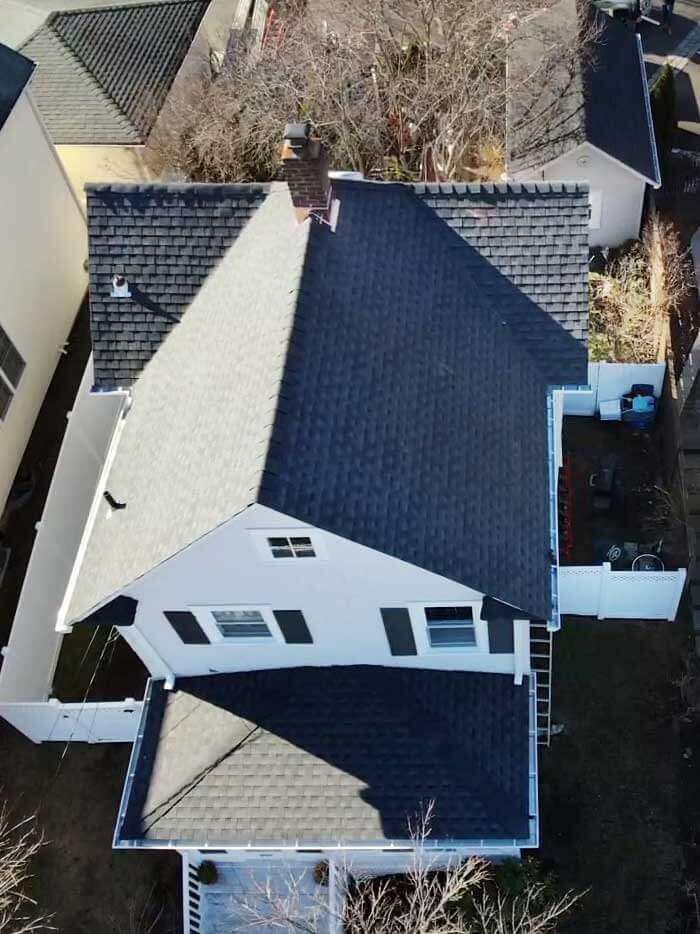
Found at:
[298, 546]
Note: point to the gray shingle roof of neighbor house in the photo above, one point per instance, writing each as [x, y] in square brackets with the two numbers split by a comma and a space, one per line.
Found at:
[15, 72]
[104, 73]
[384, 382]
[603, 101]
[329, 755]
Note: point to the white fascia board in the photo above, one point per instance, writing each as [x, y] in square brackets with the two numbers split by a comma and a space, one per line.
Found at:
[647, 106]
[606, 155]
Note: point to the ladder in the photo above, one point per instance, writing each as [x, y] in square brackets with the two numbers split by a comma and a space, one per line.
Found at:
[541, 665]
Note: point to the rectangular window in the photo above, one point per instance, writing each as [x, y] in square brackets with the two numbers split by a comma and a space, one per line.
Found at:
[291, 547]
[241, 624]
[11, 369]
[450, 626]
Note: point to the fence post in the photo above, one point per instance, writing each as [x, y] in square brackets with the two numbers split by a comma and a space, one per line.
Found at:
[676, 594]
[604, 579]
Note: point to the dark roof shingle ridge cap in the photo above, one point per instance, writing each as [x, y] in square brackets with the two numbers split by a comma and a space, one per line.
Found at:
[131, 188]
[113, 8]
[500, 188]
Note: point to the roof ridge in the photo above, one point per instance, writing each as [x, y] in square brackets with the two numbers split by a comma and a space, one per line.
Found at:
[113, 7]
[80, 61]
[225, 188]
[500, 188]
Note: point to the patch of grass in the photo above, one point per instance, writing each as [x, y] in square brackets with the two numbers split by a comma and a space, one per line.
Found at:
[609, 784]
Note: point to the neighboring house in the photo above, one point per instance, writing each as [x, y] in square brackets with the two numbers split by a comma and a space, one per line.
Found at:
[41, 262]
[326, 524]
[590, 123]
[105, 74]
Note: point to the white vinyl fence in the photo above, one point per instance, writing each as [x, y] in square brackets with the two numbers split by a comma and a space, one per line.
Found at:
[29, 659]
[93, 722]
[608, 381]
[597, 590]
[30, 656]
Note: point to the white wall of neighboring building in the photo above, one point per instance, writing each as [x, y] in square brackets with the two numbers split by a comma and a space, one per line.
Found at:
[339, 594]
[617, 194]
[121, 165]
[44, 245]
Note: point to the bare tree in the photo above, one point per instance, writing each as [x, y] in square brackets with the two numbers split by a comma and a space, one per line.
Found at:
[402, 89]
[20, 842]
[633, 300]
[459, 896]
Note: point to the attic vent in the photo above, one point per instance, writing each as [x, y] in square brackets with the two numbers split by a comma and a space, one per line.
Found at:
[120, 287]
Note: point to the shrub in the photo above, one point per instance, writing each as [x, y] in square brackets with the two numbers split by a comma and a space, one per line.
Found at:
[207, 873]
[663, 110]
[321, 873]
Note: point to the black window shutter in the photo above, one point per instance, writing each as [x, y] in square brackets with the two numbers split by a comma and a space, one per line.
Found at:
[293, 626]
[501, 636]
[399, 630]
[186, 626]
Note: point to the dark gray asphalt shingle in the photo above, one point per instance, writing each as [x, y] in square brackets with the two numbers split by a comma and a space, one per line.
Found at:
[332, 754]
[15, 72]
[602, 100]
[166, 239]
[104, 73]
[431, 441]
[385, 382]
[536, 236]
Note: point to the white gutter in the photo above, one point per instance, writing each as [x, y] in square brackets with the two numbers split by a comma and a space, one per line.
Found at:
[650, 121]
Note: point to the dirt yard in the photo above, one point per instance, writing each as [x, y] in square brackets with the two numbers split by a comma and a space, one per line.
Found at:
[75, 789]
[614, 786]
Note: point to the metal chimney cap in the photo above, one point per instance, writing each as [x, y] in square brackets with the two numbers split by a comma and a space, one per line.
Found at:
[297, 132]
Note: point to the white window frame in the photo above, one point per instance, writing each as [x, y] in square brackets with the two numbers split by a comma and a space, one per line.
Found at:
[205, 618]
[420, 628]
[260, 537]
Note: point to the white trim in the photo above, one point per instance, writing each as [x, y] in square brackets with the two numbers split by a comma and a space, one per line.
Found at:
[647, 107]
[204, 615]
[649, 181]
[61, 625]
[419, 623]
[318, 543]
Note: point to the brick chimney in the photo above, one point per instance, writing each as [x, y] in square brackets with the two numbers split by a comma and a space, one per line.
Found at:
[306, 172]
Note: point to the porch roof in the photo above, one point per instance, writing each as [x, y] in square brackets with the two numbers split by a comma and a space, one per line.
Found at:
[335, 755]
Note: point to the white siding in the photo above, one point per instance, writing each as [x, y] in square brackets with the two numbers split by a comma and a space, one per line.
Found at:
[340, 597]
[41, 270]
[618, 194]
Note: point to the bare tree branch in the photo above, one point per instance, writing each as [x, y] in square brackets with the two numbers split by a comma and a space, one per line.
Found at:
[459, 896]
[396, 88]
[20, 842]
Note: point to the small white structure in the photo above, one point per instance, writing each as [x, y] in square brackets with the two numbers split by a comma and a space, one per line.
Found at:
[42, 277]
[593, 126]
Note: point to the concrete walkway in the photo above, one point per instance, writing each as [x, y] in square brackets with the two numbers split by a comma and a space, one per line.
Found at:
[682, 50]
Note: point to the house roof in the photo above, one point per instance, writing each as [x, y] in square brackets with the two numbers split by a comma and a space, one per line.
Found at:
[333, 390]
[15, 72]
[104, 73]
[331, 755]
[601, 97]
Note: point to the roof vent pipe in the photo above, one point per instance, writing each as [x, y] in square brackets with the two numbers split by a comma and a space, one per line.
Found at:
[120, 286]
